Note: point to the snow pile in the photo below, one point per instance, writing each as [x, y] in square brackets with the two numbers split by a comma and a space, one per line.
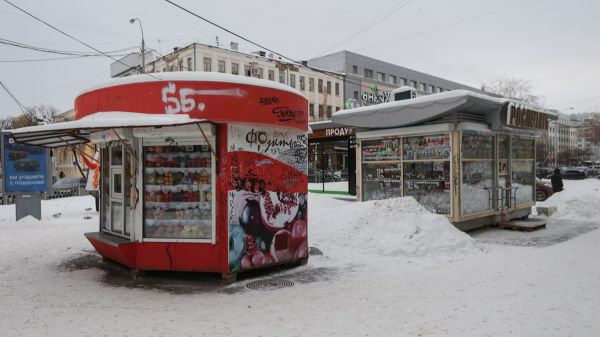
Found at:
[54, 211]
[580, 199]
[391, 227]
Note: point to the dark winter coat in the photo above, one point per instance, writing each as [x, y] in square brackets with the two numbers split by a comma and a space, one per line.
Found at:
[557, 183]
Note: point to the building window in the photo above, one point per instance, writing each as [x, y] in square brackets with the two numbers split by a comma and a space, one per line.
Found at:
[439, 89]
[293, 80]
[271, 75]
[368, 73]
[302, 83]
[247, 70]
[337, 89]
[180, 65]
[311, 84]
[355, 70]
[380, 77]
[281, 76]
[235, 68]
[329, 87]
[422, 86]
[356, 95]
[259, 72]
[403, 81]
[413, 84]
[311, 110]
[221, 65]
[321, 112]
[207, 64]
[329, 110]
[189, 63]
[320, 86]
[430, 89]
[392, 79]
[337, 108]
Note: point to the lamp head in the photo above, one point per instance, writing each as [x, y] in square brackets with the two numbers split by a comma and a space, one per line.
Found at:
[131, 21]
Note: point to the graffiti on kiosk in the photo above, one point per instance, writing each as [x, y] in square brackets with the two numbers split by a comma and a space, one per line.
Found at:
[268, 100]
[185, 100]
[285, 114]
[289, 146]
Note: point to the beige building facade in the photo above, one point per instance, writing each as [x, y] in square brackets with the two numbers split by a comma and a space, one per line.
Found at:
[323, 89]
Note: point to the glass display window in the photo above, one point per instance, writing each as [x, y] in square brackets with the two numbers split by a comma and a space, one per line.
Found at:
[178, 192]
[523, 148]
[477, 186]
[523, 178]
[502, 147]
[381, 181]
[426, 147]
[381, 149]
[476, 146]
[429, 184]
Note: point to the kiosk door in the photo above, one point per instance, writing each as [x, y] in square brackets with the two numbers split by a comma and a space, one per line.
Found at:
[503, 176]
[114, 188]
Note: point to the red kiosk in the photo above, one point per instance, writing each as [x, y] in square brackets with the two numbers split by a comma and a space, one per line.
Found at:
[198, 172]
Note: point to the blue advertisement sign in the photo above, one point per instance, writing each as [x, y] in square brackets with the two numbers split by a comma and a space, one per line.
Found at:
[25, 167]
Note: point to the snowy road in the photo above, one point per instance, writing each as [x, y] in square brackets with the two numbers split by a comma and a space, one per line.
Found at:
[52, 284]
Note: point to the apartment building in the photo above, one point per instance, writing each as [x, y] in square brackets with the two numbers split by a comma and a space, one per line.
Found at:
[322, 89]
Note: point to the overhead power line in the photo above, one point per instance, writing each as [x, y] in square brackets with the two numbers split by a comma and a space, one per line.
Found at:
[71, 37]
[55, 51]
[370, 25]
[263, 47]
[13, 97]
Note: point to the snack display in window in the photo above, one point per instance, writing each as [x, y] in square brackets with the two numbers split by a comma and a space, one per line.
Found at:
[381, 149]
[381, 181]
[426, 147]
[429, 184]
[477, 146]
[523, 148]
[177, 192]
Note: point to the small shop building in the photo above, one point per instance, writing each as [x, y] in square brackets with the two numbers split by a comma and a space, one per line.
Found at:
[198, 172]
[462, 154]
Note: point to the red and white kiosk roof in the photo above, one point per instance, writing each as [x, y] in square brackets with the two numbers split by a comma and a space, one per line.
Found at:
[168, 99]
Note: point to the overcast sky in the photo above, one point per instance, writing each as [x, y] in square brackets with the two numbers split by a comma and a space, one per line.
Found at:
[553, 44]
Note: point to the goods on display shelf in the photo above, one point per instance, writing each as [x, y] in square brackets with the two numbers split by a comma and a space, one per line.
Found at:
[178, 192]
[502, 147]
[476, 197]
[429, 183]
[381, 181]
[523, 148]
[426, 147]
[381, 149]
[476, 146]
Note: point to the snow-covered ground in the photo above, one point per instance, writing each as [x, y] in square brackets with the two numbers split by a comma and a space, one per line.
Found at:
[389, 268]
[334, 186]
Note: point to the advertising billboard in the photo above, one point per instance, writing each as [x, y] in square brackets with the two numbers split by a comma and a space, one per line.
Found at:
[25, 167]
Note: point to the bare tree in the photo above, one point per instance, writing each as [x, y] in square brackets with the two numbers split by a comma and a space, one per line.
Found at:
[592, 130]
[515, 88]
[34, 115]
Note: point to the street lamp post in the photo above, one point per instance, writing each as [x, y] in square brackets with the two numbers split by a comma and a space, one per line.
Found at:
[131, 21]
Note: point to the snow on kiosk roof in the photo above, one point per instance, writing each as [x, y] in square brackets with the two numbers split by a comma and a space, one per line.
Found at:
[424, 109]
[173, 99]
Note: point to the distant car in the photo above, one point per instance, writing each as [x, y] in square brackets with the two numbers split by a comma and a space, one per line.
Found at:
[543, 172]
[572, 174]
[67, 187]
[542, 190]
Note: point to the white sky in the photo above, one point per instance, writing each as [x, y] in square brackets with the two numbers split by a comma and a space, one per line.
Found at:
[554, 44]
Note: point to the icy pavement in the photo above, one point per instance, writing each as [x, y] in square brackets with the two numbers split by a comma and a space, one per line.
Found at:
[557, 230]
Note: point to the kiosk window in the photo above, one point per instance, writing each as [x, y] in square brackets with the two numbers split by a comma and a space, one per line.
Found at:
[178, 190]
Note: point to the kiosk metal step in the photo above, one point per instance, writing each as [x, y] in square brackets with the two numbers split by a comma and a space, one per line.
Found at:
[527, 225]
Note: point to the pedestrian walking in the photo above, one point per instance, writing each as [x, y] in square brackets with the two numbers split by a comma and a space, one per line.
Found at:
[557, 183]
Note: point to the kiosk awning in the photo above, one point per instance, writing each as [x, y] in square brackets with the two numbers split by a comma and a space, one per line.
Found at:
[78, 132]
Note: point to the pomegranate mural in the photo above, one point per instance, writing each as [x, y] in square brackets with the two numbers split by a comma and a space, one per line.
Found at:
[267, 196]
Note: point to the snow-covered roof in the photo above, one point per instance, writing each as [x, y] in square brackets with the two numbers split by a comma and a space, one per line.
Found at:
[418, 110]
[196, 77]
[77, 132]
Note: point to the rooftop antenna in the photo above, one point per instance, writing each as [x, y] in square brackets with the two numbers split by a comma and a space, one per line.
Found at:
[217, 38]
